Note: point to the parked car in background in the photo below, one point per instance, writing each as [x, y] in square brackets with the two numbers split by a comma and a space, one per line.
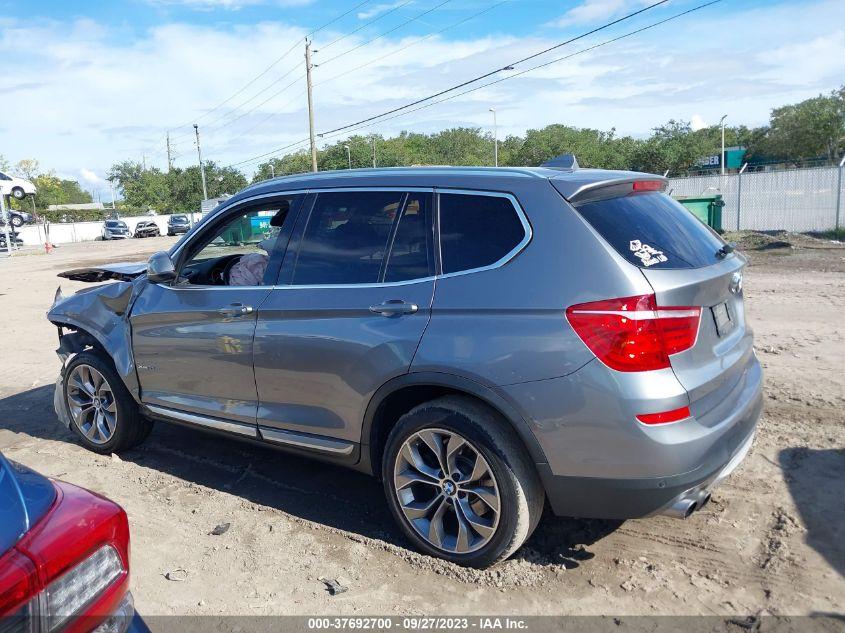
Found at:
[115, 230]
[147, 228]
[17, 218]
[14, 236]
[178, 224]
[64, 556]
[480, 339]
[16, 187]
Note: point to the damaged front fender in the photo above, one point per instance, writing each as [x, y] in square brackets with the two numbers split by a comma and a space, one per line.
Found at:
[99, 317]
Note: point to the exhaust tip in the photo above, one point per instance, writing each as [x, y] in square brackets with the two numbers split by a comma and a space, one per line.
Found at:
[692, 508]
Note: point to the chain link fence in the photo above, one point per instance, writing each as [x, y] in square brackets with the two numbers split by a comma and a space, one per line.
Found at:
[794, 200]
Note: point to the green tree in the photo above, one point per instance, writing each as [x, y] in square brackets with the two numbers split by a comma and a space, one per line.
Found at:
[813, 128]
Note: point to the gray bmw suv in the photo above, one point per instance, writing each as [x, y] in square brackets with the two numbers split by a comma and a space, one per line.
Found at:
[485, 341]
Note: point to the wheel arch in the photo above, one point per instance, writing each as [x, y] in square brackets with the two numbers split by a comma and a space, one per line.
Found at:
[403, 393]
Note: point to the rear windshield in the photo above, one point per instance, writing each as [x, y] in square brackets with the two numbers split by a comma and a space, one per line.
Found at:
[653, 231]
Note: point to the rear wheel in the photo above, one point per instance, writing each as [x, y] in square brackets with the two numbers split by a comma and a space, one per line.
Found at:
[102, 413]
[17, 221]
[460, 487]
[18, 194]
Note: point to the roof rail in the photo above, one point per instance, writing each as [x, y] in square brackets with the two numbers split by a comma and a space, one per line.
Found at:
[564, 161]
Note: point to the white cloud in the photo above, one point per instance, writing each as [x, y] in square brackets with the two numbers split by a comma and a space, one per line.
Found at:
[232, 5]
[90, 177]
[590, 11]
[697, 122]
[90, 96]
[378, 9]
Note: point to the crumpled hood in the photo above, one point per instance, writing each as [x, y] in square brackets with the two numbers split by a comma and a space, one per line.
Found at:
[120, 271]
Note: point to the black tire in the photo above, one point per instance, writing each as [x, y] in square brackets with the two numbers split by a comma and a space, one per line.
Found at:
[17, 221]
[521, 494]
[18, 194]
[131, 428]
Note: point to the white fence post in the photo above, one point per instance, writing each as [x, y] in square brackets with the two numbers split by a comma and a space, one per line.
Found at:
[839, 191]
[739, 194]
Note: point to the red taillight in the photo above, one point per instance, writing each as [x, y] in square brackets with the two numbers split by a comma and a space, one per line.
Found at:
[632, 333]
[18, 582]
[665, 417]
[79, 557]
[649, 185]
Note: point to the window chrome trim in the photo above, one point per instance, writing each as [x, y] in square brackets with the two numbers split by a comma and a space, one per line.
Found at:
[516, 250]
[528, 233]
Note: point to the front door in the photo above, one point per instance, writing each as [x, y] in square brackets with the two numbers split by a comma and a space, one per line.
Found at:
[353, 301]
[193, 339]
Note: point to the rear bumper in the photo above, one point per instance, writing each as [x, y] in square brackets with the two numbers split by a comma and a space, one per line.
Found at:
[647, 470]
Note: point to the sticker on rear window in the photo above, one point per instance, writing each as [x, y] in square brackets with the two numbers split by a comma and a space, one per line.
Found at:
[648, 255]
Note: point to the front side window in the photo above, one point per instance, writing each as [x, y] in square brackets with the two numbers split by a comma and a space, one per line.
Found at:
[237, 251]
[346, 238]
[4, 176]
[477, 230]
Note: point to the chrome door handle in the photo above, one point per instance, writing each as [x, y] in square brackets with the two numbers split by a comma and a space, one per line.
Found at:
[394, 307]
[235, 310]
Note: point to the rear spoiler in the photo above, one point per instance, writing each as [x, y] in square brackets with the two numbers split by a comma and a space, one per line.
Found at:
[617, 188]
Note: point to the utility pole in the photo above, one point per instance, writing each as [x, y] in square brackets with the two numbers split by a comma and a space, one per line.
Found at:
[111, 184]
[308, 67]
[272, 169]
[144, 162]
[169, 157]
[495, 139]
[722, 158]
[202, 167]
[374, 150]
[348, 155]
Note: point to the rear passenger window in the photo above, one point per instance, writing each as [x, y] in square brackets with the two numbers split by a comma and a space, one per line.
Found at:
[411, 251]
[653, 231]
[476, 230]
[346, 238]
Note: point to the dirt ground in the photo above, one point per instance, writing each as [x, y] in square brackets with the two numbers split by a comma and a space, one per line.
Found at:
[771, 541]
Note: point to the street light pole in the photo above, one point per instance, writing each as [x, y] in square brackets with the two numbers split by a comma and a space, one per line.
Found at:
[348, 155]
[495, 139]
[202, 167]
[722, 158]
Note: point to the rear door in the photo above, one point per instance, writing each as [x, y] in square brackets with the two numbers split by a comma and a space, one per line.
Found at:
[681, 259]
[348, 313]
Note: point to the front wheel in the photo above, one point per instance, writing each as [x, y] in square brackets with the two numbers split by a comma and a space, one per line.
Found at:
[17, 221]
[459, 484]
[102, 413]
[18, 194]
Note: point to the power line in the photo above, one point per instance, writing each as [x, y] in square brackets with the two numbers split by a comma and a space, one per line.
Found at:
[414, 43]
[503, 68]
[381, 16]
[388, 32]
[269, 68]
[538, 66]
[359, 125]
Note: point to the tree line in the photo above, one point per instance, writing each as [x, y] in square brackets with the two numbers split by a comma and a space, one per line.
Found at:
[809, 130]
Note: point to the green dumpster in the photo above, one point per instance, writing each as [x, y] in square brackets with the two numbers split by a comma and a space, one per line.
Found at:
[708, 209]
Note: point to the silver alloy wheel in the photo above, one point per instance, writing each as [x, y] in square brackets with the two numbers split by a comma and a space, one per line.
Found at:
[91, 403]
[447, 491]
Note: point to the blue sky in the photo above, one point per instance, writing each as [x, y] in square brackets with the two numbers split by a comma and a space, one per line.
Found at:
[91, 83]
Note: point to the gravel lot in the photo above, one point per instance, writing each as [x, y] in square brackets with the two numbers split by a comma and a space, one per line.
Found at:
[771, 540]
